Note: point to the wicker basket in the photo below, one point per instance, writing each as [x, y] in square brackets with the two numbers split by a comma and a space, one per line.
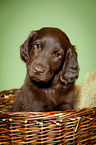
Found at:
[72, 127]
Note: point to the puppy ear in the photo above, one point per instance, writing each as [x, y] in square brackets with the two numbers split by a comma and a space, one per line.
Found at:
[70, 70]
[25, 48]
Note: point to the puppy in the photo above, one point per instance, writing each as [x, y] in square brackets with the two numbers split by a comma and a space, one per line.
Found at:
[52, 68]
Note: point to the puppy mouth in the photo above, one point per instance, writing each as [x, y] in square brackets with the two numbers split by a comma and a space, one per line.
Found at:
[35, 79]
[41, 83]
[41, 79]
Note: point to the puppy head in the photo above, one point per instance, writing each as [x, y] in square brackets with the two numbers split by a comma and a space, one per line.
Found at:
[48, 50]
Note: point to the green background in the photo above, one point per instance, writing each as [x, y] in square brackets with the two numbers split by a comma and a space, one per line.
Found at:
[77, 18]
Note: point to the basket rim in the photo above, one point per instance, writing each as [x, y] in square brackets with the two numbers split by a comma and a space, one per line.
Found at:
[69, 113]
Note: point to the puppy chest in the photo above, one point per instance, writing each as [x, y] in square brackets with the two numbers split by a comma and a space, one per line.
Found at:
[52, 97]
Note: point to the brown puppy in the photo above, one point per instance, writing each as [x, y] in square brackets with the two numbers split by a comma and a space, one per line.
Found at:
[52, 69]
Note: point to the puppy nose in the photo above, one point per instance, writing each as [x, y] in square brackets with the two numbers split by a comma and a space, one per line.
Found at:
[38, 69]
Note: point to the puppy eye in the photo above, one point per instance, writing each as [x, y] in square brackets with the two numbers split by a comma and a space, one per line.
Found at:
[57, 54]
[37, 46]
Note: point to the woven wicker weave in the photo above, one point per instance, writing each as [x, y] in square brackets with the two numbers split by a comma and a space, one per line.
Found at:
[73, 127]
